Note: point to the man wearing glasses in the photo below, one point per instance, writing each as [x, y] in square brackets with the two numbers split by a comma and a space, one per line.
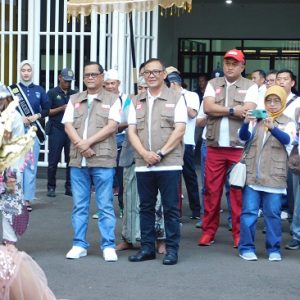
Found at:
[156, 127]
[91, 120]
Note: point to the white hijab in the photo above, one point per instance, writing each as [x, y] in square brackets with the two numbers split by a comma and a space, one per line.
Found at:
[26, 62]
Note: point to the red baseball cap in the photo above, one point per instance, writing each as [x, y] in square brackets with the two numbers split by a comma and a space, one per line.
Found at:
[235, 54]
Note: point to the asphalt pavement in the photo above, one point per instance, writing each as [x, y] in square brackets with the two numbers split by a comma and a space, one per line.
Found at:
[214, 272]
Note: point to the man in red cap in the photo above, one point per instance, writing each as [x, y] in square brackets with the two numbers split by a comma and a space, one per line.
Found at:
[226, 101]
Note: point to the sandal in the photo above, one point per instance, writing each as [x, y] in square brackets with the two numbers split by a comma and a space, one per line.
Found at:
[124, 246]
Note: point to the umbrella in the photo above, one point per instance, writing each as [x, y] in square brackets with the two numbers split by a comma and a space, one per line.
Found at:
[76, 7]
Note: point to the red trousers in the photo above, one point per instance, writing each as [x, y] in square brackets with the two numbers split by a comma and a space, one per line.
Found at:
[218, 161]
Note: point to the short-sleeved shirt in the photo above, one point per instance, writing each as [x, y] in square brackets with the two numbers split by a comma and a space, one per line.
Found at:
[290, 109]
[180, 116]
[251, 96]
[192, 101]
[57, 98]
[37, 97]
[114, 114]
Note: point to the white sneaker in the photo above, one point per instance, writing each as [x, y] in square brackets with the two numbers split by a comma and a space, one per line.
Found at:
[95, 216]
[274, 256]
[109, 254]
[250, 256]
[284, 215]
[76, 252]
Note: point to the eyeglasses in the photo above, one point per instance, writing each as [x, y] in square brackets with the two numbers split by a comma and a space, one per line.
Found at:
[93, 75]
[270, 80]
[153, 72]
[274, 101]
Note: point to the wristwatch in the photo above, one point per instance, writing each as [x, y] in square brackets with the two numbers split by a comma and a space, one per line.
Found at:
[160, 154]
[231, 111]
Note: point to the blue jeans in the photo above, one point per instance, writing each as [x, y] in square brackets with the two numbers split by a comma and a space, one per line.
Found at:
[81, 179]
[191, 181]
[295, 227]
[29, 175]
[149, 183]
[202, 171]
[271, 205]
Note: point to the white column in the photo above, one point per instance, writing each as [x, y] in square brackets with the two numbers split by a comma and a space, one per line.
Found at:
[94, 24]
[102, 40]
[115, 41]
[30, 36]
[33, 46]
[154, 32]
[122, 50]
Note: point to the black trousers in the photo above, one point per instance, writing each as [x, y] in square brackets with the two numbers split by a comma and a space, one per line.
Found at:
[58, 140]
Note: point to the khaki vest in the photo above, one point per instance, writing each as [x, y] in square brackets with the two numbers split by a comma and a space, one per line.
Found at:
[162, 125]
[106, 151]
[267, 162]
[236, 96]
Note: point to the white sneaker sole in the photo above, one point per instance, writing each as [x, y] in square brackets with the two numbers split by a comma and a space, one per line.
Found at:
[83, 254]
[248, 258]
[110, 260]
[275, 259]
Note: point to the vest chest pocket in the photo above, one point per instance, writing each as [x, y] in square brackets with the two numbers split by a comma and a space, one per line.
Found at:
[167, 118]
[220, 99]
[239, 97]
[77, 119]
[140, 122]
[102, 118]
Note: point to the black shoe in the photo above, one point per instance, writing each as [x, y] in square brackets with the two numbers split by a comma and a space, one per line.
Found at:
[195, 217]
[68, 193]
[170, 259]
[142, 255]
[51, 192]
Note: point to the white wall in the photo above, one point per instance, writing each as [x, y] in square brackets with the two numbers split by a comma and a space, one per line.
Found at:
[249, 21]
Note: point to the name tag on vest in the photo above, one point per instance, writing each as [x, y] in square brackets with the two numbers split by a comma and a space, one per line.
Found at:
[170, 105]
[26, 110]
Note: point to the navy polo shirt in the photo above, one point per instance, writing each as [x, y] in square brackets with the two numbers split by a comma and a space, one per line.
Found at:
[57, 98]
[37, 97]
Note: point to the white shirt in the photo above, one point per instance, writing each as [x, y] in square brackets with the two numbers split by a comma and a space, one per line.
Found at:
[114, 114]
[202, 115]
[290, 110]
[192, 101]
[251, 96]
[180, 116]
[261, 97]
[125, 107]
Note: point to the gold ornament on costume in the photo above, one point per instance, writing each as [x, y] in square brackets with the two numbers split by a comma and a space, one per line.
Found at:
[12, 149]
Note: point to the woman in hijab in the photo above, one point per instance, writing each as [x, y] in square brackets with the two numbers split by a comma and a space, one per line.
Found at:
[266, 181]
[38, 100]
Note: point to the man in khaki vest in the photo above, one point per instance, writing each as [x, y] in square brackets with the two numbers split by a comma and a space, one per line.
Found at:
[156, 128]
[226, 101]
[91, 120]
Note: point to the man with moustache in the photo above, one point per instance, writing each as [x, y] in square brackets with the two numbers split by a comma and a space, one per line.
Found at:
[91, 120]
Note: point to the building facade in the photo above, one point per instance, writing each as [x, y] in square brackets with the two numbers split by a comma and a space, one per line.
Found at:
[42, 32]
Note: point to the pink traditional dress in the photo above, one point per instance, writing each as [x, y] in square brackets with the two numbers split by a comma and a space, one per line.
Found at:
[21, 278]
